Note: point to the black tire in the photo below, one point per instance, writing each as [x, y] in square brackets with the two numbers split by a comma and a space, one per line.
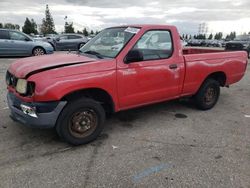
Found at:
[208, 94]
[80, 45]
[37, 51]
[85, 110]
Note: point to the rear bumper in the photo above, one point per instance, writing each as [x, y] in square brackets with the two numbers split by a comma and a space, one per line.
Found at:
[47, 112]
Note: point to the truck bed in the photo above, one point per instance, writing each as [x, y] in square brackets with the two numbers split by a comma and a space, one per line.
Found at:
[201, 62]
[201, 50]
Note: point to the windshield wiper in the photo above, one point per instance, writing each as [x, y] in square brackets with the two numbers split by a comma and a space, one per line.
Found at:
[94, 53]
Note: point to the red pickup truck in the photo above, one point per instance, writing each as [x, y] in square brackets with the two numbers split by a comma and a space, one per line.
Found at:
[121, 68]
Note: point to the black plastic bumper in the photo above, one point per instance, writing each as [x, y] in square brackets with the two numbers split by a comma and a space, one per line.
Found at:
[47, 112]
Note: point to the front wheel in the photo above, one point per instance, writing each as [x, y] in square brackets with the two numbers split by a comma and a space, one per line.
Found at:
[208, 94]
[38, 51]
[80, 45]
[81, 121]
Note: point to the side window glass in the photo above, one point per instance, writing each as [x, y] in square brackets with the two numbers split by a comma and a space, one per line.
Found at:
[64, 37]
[155, 44]
[17, 36]
[4, 34]
[74, 37]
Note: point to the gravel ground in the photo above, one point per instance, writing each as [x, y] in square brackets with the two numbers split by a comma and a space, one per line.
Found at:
[164, 145]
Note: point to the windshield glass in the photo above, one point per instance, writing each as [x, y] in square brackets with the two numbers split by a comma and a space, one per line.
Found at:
[243, 38]
[109, 42]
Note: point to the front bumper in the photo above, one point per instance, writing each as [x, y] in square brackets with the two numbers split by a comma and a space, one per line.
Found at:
[47, 112]
[49, 50]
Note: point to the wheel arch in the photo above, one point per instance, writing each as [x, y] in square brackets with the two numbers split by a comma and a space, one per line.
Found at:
[97, 94]
[219, 76]
[38, 47]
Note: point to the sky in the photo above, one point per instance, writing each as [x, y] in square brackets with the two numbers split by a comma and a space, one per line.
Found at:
[219, 15]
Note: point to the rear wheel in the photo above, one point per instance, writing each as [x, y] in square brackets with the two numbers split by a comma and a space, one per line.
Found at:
[208, 94]
[38, 51]
[80, 45]
[81, 121]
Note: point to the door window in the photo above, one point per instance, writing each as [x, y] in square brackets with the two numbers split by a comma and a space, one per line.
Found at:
[63, 37]
[4, 34]
[17, 36]
[74, 37]
[155, 44]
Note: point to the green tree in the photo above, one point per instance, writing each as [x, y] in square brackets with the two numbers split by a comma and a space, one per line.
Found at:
[30, 26]
[48, 25]
[96, 32]
[201, 36]
[85, 32]
[10, 26]
[17, 27]
[68, 28]
[92, 32]
[210, 36]
[218, 36]
[231, 36]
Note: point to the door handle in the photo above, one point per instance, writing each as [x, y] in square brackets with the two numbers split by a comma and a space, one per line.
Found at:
[173, 66]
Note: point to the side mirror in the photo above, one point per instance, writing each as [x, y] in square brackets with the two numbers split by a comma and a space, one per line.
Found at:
[133, 56]
[58, 39]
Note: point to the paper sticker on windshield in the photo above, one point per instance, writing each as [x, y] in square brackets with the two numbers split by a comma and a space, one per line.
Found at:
[132, 30]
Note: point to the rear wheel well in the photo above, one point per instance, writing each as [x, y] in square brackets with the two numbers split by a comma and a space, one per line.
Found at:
[97, 94]
[218, 76]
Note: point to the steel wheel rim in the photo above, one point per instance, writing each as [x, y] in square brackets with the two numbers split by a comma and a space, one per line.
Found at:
[38, 52]
[210, 96]
[83, 123]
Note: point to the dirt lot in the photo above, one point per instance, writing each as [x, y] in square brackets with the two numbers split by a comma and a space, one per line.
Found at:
[164, 145]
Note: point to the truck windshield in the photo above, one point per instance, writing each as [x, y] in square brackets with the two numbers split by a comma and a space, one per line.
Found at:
[109, 42]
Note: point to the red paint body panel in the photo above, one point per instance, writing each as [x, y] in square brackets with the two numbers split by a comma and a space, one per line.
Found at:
[129, 85]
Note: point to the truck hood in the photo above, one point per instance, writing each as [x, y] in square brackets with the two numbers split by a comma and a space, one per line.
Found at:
[25, 67]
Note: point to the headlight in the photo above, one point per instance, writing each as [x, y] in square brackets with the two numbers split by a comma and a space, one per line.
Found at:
[245, 45]
[21, 86]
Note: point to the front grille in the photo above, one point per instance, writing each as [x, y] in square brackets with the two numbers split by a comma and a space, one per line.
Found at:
[234, 46]
[11, 79]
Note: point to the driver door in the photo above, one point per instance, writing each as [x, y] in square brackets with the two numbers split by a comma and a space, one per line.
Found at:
[154, 78]
[63, 43]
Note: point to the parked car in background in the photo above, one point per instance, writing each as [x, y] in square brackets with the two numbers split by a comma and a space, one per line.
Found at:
[69, 41]
[241, 42]
[50, 36]
[183, 42]
[194, 42]
[16, 43]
